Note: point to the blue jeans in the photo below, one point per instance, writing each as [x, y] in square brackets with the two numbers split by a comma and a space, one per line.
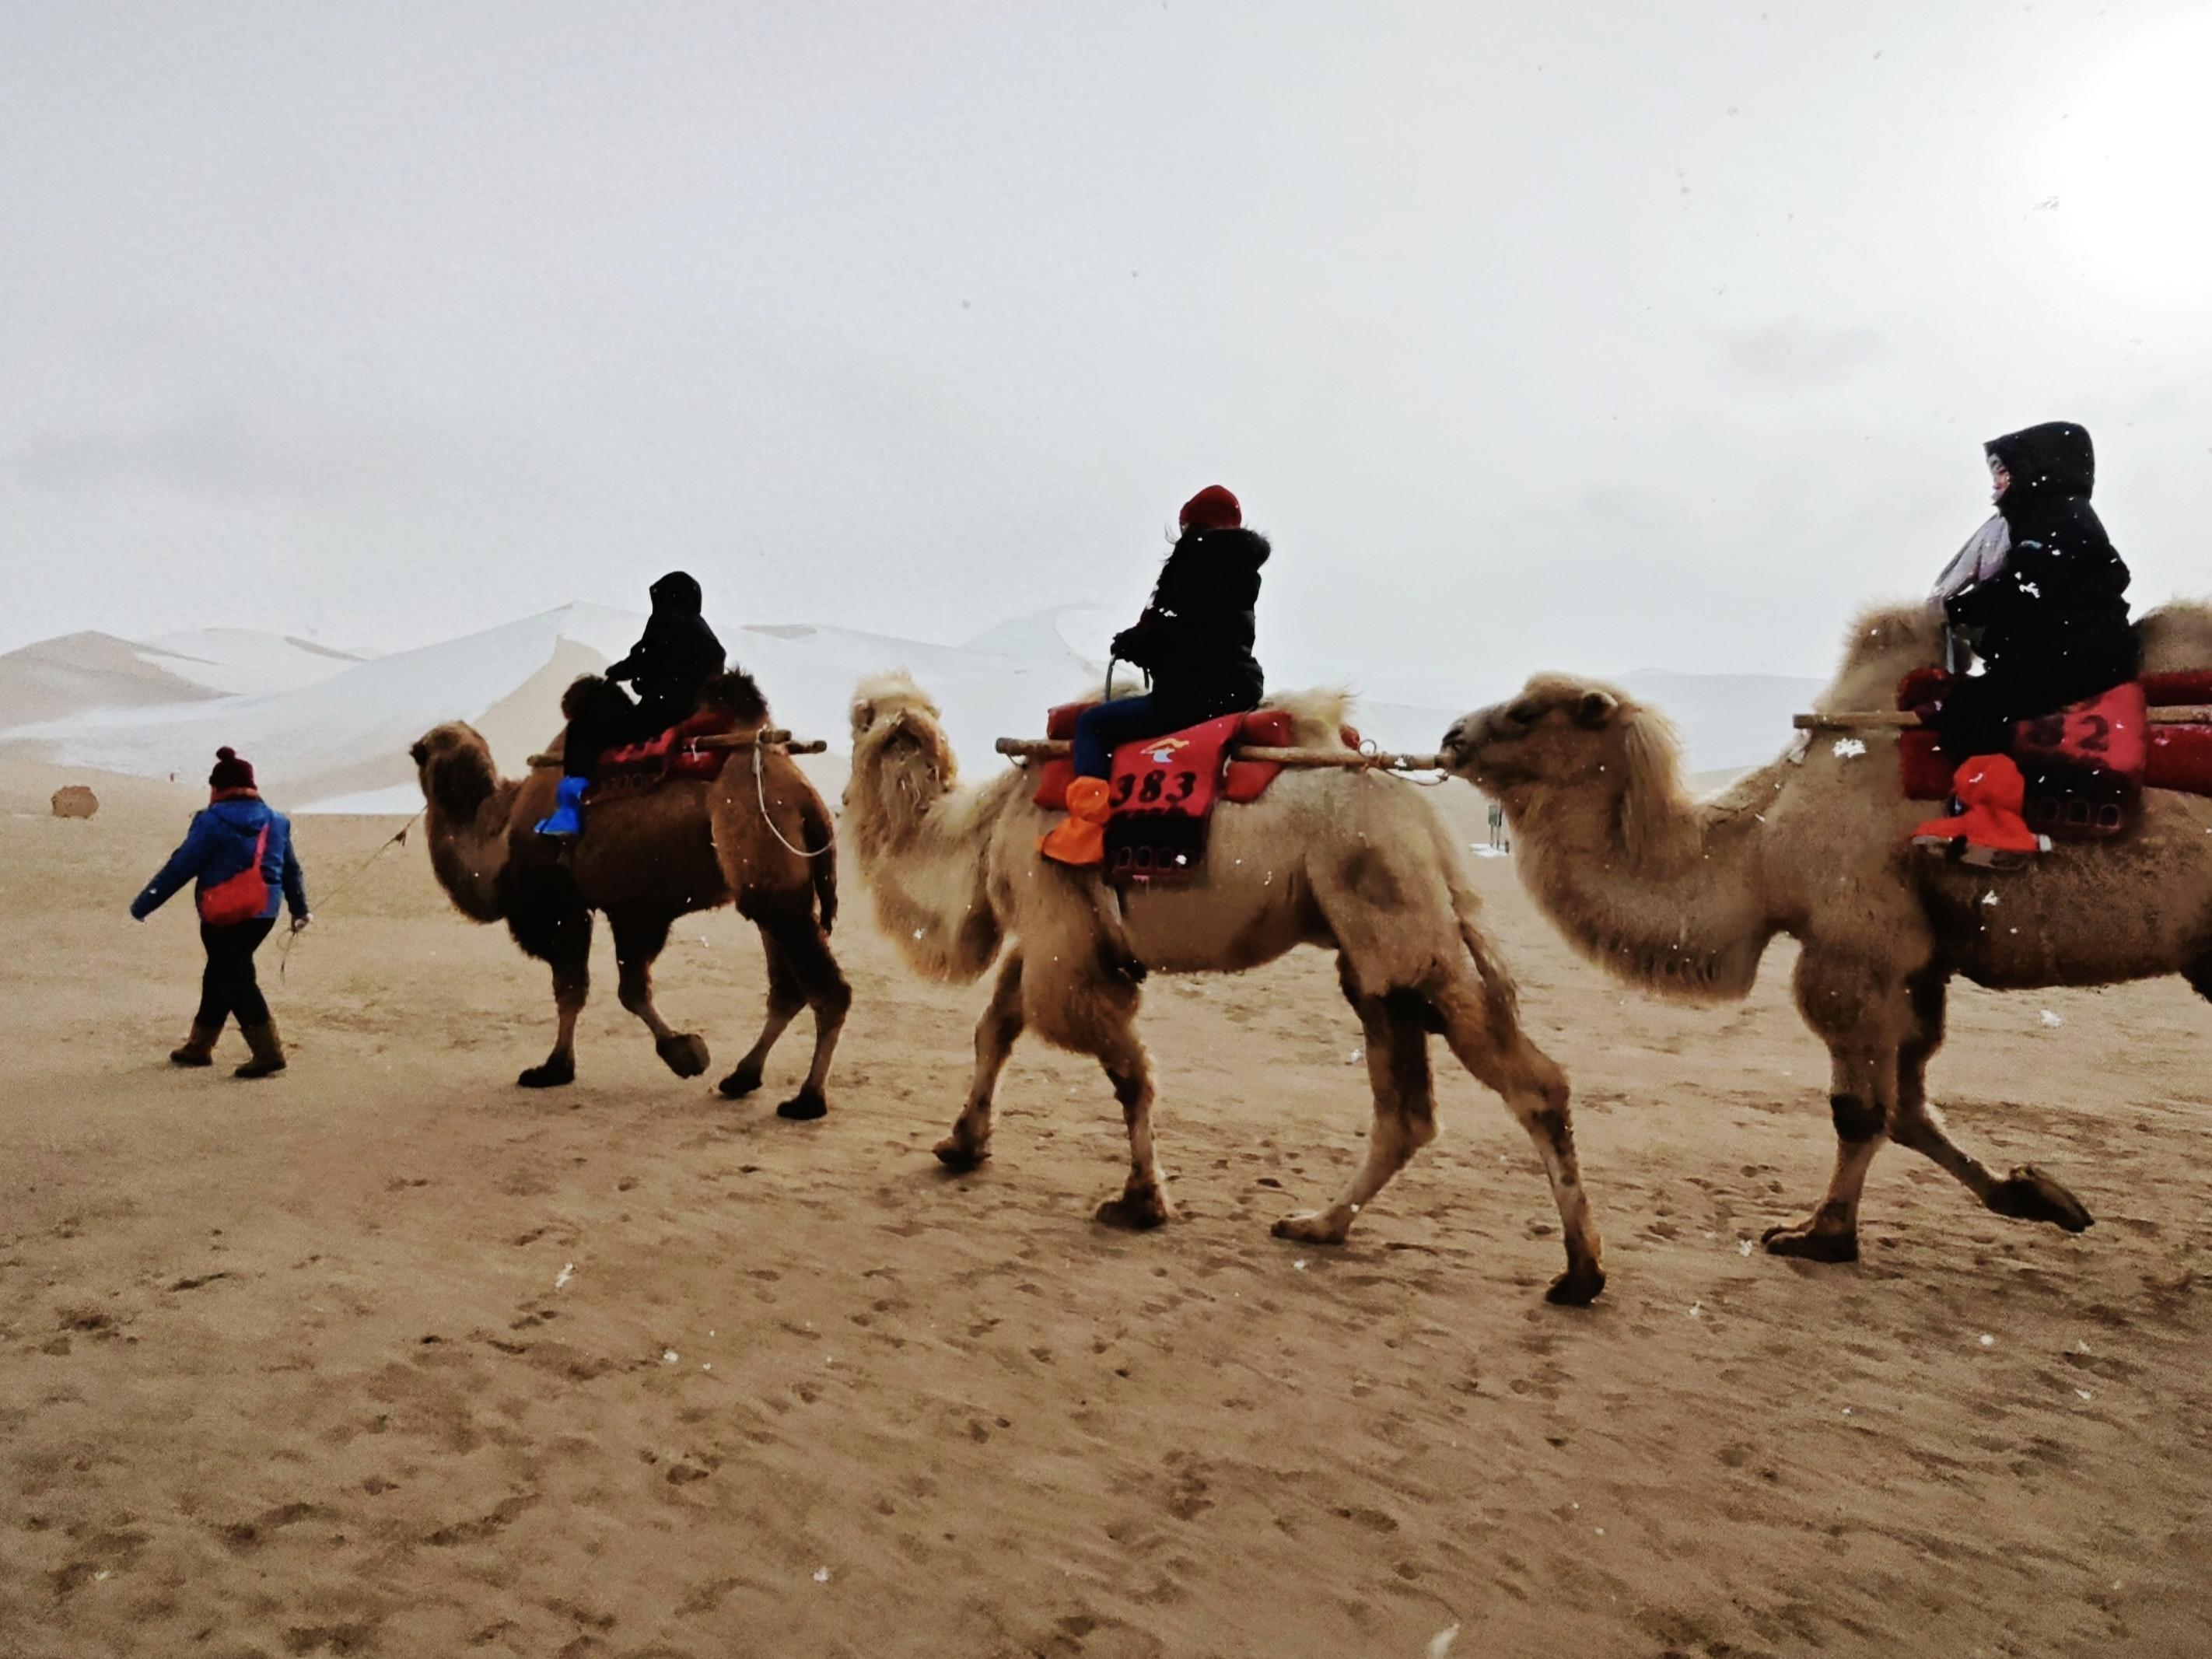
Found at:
[1099, 732]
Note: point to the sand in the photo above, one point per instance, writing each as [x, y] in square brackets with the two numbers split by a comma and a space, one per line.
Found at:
[388, 1356]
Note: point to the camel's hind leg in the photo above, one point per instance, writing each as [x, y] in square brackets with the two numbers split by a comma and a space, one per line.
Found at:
[805, 951]
[1144, 1199]
[639, 939]
[996, 1033]
[1405, 1115]
[785, 999]
[2027, 1193]
[1483, 1030]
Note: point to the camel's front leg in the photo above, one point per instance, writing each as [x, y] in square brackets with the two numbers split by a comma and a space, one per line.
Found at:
[1405, 1121]
[572, 987]
[1862, 1083]
[996, 1033]
[785, 999]
[2025, 1195]
[806, 947]
[638, 941]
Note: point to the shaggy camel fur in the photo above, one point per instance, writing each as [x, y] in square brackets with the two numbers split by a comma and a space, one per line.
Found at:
[1349, 861]
[1682, 898]
[647, 859]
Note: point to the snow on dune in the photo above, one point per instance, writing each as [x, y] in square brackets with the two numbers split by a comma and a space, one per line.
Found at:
[235, 660]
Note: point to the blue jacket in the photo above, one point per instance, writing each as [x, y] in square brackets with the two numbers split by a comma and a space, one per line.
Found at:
[219, 845]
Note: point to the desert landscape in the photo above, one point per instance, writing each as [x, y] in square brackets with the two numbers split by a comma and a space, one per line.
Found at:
[387, 1356]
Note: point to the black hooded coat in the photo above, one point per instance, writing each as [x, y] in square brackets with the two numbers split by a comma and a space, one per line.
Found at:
[2051, 626]
[676, 658]
[1195, 639]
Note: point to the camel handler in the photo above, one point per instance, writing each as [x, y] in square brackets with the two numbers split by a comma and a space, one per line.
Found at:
[1194, 640]
[2040, 593]
[240, 851]
[677, 656]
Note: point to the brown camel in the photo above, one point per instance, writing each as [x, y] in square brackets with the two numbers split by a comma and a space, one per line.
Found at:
[1349, 861]
[762, 838]
[1682, 898]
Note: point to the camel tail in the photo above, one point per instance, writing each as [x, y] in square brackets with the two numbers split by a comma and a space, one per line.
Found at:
[821, 832]
[1500, 993]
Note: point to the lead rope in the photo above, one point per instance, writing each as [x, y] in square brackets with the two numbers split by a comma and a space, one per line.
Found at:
[760, 788]
[284, 950]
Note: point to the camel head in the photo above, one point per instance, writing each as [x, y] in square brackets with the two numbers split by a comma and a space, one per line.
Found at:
[454, 764]
[1564, 739]
[903, 763]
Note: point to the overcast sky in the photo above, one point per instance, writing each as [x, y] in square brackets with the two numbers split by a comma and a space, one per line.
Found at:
[1596, 336]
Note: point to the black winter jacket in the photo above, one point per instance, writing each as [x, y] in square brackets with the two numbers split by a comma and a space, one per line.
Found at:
[1196, 636]
[676, 658]
[2058, 607]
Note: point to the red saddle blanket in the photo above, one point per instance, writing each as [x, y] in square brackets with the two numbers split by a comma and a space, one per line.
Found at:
[674, 754]
[1164, 790]
[2085, 766]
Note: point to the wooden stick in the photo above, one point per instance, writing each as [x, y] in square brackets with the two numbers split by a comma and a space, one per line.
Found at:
[773, 737]
[1029, 749]
[1899, 720]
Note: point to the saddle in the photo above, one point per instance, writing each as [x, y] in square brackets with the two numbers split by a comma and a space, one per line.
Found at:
[637, 768]
[1162, 790]
[2085, 767]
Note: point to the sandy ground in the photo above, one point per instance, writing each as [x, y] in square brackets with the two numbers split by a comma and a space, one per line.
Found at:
[387, 1356]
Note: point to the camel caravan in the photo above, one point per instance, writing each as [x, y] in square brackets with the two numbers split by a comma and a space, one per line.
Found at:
[1203, 825]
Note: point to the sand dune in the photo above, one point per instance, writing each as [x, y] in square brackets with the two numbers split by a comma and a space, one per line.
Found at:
[387, 1356]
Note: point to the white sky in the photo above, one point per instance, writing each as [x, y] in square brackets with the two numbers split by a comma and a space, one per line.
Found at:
[1596, 336]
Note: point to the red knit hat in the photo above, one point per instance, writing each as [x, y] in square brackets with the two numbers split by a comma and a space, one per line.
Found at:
[230, 772]
[1213, 509]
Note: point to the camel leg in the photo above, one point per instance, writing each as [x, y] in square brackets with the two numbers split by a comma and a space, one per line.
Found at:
[2027, 1193]
[785, 999]
[572, 987]
[1486, 1036]
[1405, 1115]
[638, 940]
[1144, 1199]
[996, 1033]
[806, 948]
[554, 927]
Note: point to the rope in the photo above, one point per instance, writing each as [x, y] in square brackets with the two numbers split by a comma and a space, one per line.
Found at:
[760, 788]
[284, 950]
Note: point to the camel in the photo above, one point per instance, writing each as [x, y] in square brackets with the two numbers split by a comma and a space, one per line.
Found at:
[1347, 860]
[1682, 898]
[762, 839]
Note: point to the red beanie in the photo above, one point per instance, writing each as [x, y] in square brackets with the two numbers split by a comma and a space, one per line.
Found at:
[1213, 509]
[230, 772]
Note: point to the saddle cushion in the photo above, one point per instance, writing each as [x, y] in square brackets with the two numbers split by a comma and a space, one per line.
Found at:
[1244, 780]
[2085, 766]
[674, 754]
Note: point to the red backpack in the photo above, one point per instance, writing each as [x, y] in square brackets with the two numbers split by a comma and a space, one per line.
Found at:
[241, 897]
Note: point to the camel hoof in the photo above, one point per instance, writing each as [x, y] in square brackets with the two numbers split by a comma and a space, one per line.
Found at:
[551, 1075]
[684, 1054]
[1577, 1287]
[803, 1106]
[1134, 1214]
[2028, 1195]
[739, 1083]
[957, 1155]
[1807, 1245]
[1311, 1227]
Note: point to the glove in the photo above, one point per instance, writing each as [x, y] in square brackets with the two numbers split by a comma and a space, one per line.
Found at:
[300, 924]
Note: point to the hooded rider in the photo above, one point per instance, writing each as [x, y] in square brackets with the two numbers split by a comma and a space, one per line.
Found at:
[669, 666]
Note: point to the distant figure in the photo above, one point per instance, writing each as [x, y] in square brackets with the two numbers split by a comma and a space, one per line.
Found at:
[1195, 641]
[2039, 594]
[669, 666]
[1498, 838]
[241, 853]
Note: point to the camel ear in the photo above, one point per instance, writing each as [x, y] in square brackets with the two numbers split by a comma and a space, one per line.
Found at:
[1595, 708]
[419, 753]
[864, 716]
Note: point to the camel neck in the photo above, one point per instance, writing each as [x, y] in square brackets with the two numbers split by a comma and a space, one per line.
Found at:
[1674, 908]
